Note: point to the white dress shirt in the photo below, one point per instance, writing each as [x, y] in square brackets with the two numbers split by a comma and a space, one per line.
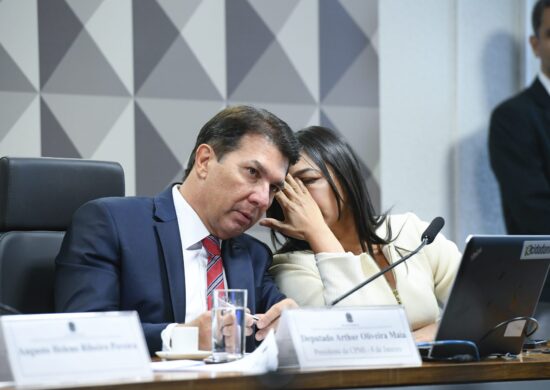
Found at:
[192, 231]
[545, 81]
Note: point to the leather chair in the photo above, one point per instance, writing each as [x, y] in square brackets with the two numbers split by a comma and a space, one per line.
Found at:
[38, 197]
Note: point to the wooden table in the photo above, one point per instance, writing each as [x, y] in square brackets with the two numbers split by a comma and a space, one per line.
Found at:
[532, 366]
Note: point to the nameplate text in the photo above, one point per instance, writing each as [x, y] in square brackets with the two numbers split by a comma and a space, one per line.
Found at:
[75, 348]
[371, 336]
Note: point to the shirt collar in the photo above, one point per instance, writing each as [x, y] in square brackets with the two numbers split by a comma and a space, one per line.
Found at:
[545, 81]
[191, 227]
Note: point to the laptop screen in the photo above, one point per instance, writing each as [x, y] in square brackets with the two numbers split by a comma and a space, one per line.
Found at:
[500, 279]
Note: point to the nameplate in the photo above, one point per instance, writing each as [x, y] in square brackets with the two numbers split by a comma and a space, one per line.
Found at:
[74, 348]
[369, 337]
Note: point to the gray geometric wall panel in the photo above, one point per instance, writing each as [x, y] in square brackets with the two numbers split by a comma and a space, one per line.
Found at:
[58, 28]
[11, 77]
[154, 33]
[12, 106]
[247, 38]
[151, 147]
[341, 42]
[55, 142]
[134, 80]
[193, 83]
[96, 78]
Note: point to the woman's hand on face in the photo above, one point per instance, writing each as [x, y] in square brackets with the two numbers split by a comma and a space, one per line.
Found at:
[303, 218]
[302, 215]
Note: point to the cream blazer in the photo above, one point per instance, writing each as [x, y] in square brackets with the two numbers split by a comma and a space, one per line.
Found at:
[423, 282]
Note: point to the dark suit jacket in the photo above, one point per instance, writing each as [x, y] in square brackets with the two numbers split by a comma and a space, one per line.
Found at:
[519, 147]
[125, 254]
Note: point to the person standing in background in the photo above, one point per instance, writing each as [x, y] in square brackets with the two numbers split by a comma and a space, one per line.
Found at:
[519, 147]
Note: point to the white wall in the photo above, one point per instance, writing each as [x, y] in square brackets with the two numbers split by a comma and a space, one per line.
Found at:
[488, 46]
[416, 105]
[444, 65]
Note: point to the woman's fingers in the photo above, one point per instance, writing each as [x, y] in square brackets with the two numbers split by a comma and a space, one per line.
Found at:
[281, 227]
[293, 183]
[302, 186]
[294, 188]
[272, 223]
[298, 207]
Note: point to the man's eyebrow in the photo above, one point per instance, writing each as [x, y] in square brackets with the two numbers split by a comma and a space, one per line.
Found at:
[258, 165]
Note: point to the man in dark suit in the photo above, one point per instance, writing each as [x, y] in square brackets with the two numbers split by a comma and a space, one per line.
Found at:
[519, 144]
[151, 254]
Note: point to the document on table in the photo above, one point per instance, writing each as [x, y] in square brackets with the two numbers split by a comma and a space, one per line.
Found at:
[175, 365]
[262, 360]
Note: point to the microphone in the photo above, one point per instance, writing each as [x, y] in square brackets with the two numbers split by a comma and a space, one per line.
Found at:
[432, 230]
[427, 238]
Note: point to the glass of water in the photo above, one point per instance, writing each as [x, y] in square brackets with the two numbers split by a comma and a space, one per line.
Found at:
[228, 324]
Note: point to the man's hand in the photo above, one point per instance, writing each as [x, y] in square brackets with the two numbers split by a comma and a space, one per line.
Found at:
[229, 330]
[248, 322]
[204, 323]
[270, 319]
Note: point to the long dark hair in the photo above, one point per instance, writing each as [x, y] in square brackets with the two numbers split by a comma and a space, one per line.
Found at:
[326, 149]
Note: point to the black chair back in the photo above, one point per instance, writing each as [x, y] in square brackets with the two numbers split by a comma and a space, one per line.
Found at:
[38, 197]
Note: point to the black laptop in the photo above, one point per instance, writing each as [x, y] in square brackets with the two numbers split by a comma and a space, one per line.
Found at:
[496, 289]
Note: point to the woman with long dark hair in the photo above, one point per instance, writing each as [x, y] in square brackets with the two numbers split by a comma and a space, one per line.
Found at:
[334, 239]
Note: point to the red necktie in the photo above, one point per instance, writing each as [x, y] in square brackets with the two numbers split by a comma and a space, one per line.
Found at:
[214, 268]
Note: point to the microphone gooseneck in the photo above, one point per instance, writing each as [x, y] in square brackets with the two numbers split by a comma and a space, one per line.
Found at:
[427, 238]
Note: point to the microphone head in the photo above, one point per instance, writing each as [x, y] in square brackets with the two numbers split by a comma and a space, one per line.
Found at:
[433, 230]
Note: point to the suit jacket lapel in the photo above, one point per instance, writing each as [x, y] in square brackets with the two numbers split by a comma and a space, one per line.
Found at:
[166, 225]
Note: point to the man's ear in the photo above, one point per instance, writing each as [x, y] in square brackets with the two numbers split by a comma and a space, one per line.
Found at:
[204, 156]
[534, 41]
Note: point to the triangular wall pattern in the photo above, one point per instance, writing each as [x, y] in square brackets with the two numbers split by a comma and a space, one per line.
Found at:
[134, 80]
